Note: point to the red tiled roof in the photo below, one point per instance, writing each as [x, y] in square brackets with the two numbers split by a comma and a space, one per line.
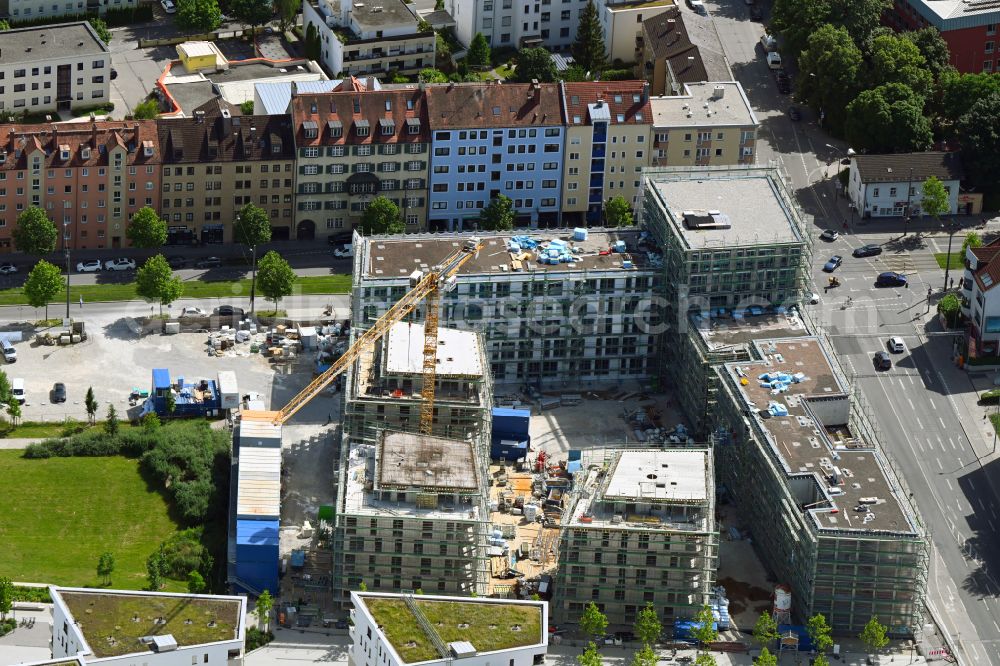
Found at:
[627, 101]
[471, 105]
[49, 137]
[397, 109]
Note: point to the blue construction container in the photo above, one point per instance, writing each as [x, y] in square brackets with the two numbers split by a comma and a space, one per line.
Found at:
[510, 433]
[805, 642]
[201, 398]
[257, 560]
[683, 628]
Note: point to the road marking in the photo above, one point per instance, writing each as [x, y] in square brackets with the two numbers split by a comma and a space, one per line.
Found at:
[921, 446]
[940, 466]
[994, 512]
[950, 487]
[972, 484]
[941, 421]
[952, 442]
[919, 424]
[911, 404]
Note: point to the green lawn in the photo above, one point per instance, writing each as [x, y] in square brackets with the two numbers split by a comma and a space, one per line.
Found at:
[92, 293]
[957, 259]
[42, 429]
[60, 514]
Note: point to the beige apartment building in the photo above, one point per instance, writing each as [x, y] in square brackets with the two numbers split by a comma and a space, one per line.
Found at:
[711, 124]
[215, 163]
[355, 145]
[608, 142]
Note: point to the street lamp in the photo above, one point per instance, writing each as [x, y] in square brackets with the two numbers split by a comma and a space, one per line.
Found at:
[951, 228]
[66, 252]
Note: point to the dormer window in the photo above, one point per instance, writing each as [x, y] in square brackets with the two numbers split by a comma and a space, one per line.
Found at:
[334, 128]
[361, 127]
[275, 147]
[3, 156]
[413, 126]
[63, 152]
[310, 129]
[85, 152]
[147, 148]
[386, 127]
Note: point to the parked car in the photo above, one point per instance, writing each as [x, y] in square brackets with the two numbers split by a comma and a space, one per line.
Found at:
[698, 6]
[120, 264]
[774, 60]
[794, 113]
[168, 6]
[92, 266]
[193, 312]
[114, 73]
[895, 345]
[346, 250]
[228, 311]
[7, 268]
[58, 392]
[208, 262]
[890, 279]
[829, 235]
[867, 251]
[833, 264]
[17, 389]
[814, 299]
[882, 361]
[338, 239]
[8, 350]
[768, 42]
[176, 262]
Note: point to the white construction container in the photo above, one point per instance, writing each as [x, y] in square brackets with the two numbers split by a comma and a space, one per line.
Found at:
[229, 392]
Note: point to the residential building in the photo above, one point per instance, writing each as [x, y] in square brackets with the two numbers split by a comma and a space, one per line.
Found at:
[670, 54]
[400, 629]
[552, 324]
[621, 22]
[368, 38]
[353, 145]
[154, 628]
[710, 124]
[270, 98]
[28, 10]
[608, 143]
[893, 185]
[980, 301]
[53, 68]
[639, 529]
[969, 27]
[90, 178]
[492, 139]
[830, 518]
[215, 163]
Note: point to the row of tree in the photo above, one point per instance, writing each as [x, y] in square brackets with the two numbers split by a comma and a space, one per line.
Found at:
[203, 16]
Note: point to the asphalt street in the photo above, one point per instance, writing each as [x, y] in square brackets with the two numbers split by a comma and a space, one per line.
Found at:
[921, 406]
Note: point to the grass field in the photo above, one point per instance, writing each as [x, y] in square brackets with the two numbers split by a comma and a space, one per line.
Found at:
[92, 293]
[957, 259]
[60, 514]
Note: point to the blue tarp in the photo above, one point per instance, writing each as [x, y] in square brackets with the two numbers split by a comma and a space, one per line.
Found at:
[161, 378]
[257, 533]
[682, 628]
[574, 466]
[805, 643]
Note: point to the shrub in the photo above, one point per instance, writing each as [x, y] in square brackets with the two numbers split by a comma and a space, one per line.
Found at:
[256, 638]
[37, 595]
[617, 75]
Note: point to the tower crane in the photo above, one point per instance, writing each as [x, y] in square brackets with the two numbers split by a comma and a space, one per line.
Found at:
[428, 286]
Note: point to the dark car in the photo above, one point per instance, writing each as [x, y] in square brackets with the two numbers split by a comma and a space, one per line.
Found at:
[890, 279]
[338, 239]
[833, 264]
[58, 392]
[882, 361]
[228, 311]
[867, 251]
[794, 113]
[114, 73]
[341, 624]
[176, 261]
[755, 13]
[784, 86]
[209, 262]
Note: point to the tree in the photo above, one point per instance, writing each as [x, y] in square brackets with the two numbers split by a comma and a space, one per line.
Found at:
[590, 656]
[381, 217]
[821, 660]
[950, 307]
[155, 281]
[645, 657]
[935, 201]
[147, 110]
[479, 52]
[898, 60]
[287, 11]
[314, 46]
[35, 233]
[647, 625]
[246, 107]
[860, 17]
[150, 421]
[873, 635]
[14, 410]
[958, 92]
[147, 229]
[6, 597]
[156, 569]
[196, 583]
[765, 658]
[276, 277]
[575, 74]
[90, 402]
[705, 630]
[111, 421]
[593, 622]
[887, 119]
[431, 75]
[4, 25]
[588, 49]
[796, 20]
[43, 283]
[171, 403]
[105, 567]
[830, 67]
[765, 632]
[972, 239]
[263, 608]
[819, 632]
[101, 28]
[198, 15]
[979, 133]
[252, 228]
[933, 48]
[534, 64]
[704, 659]
[5, 390]
[251, 12]
[617, 212]
[498, 215]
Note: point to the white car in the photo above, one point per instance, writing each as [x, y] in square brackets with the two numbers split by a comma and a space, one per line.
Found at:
[896, 345]
[774, 60]
[93, 266]
[346, 250]
[193, 312]
[168, 6]
[7, 268]
[119, 265]
[814, 298]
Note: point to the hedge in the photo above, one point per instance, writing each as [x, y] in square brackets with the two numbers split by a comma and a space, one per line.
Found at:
[114, 17]
[33, 595]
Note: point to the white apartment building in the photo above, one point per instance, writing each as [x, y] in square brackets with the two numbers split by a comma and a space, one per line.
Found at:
[23, 10]
[365, 37]
[400, 629]
[151, 628]
[981, 300]
[893, 185]
[53, 68]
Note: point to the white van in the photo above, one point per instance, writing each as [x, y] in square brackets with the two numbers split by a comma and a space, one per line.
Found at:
[9, 353]
[769, 43]
[17, 389]
[774, 60]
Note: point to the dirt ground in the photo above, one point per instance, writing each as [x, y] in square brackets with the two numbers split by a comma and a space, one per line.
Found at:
[742, 574]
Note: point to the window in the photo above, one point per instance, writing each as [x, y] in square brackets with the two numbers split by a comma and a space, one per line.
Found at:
[310, 152]
[989, 47]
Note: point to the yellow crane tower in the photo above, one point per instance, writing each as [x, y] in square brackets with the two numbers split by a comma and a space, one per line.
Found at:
[427, 286]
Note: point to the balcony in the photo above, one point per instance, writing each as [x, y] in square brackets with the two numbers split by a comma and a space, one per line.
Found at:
[598, 151]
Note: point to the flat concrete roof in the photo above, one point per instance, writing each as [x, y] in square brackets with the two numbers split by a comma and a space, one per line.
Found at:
[398, 256]
[381, 13]
[757, 210]
[651, 476]
[65, 40]
[707, 104]
[718, 333]
[457, 351]
[259, 483]
[409, 460]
